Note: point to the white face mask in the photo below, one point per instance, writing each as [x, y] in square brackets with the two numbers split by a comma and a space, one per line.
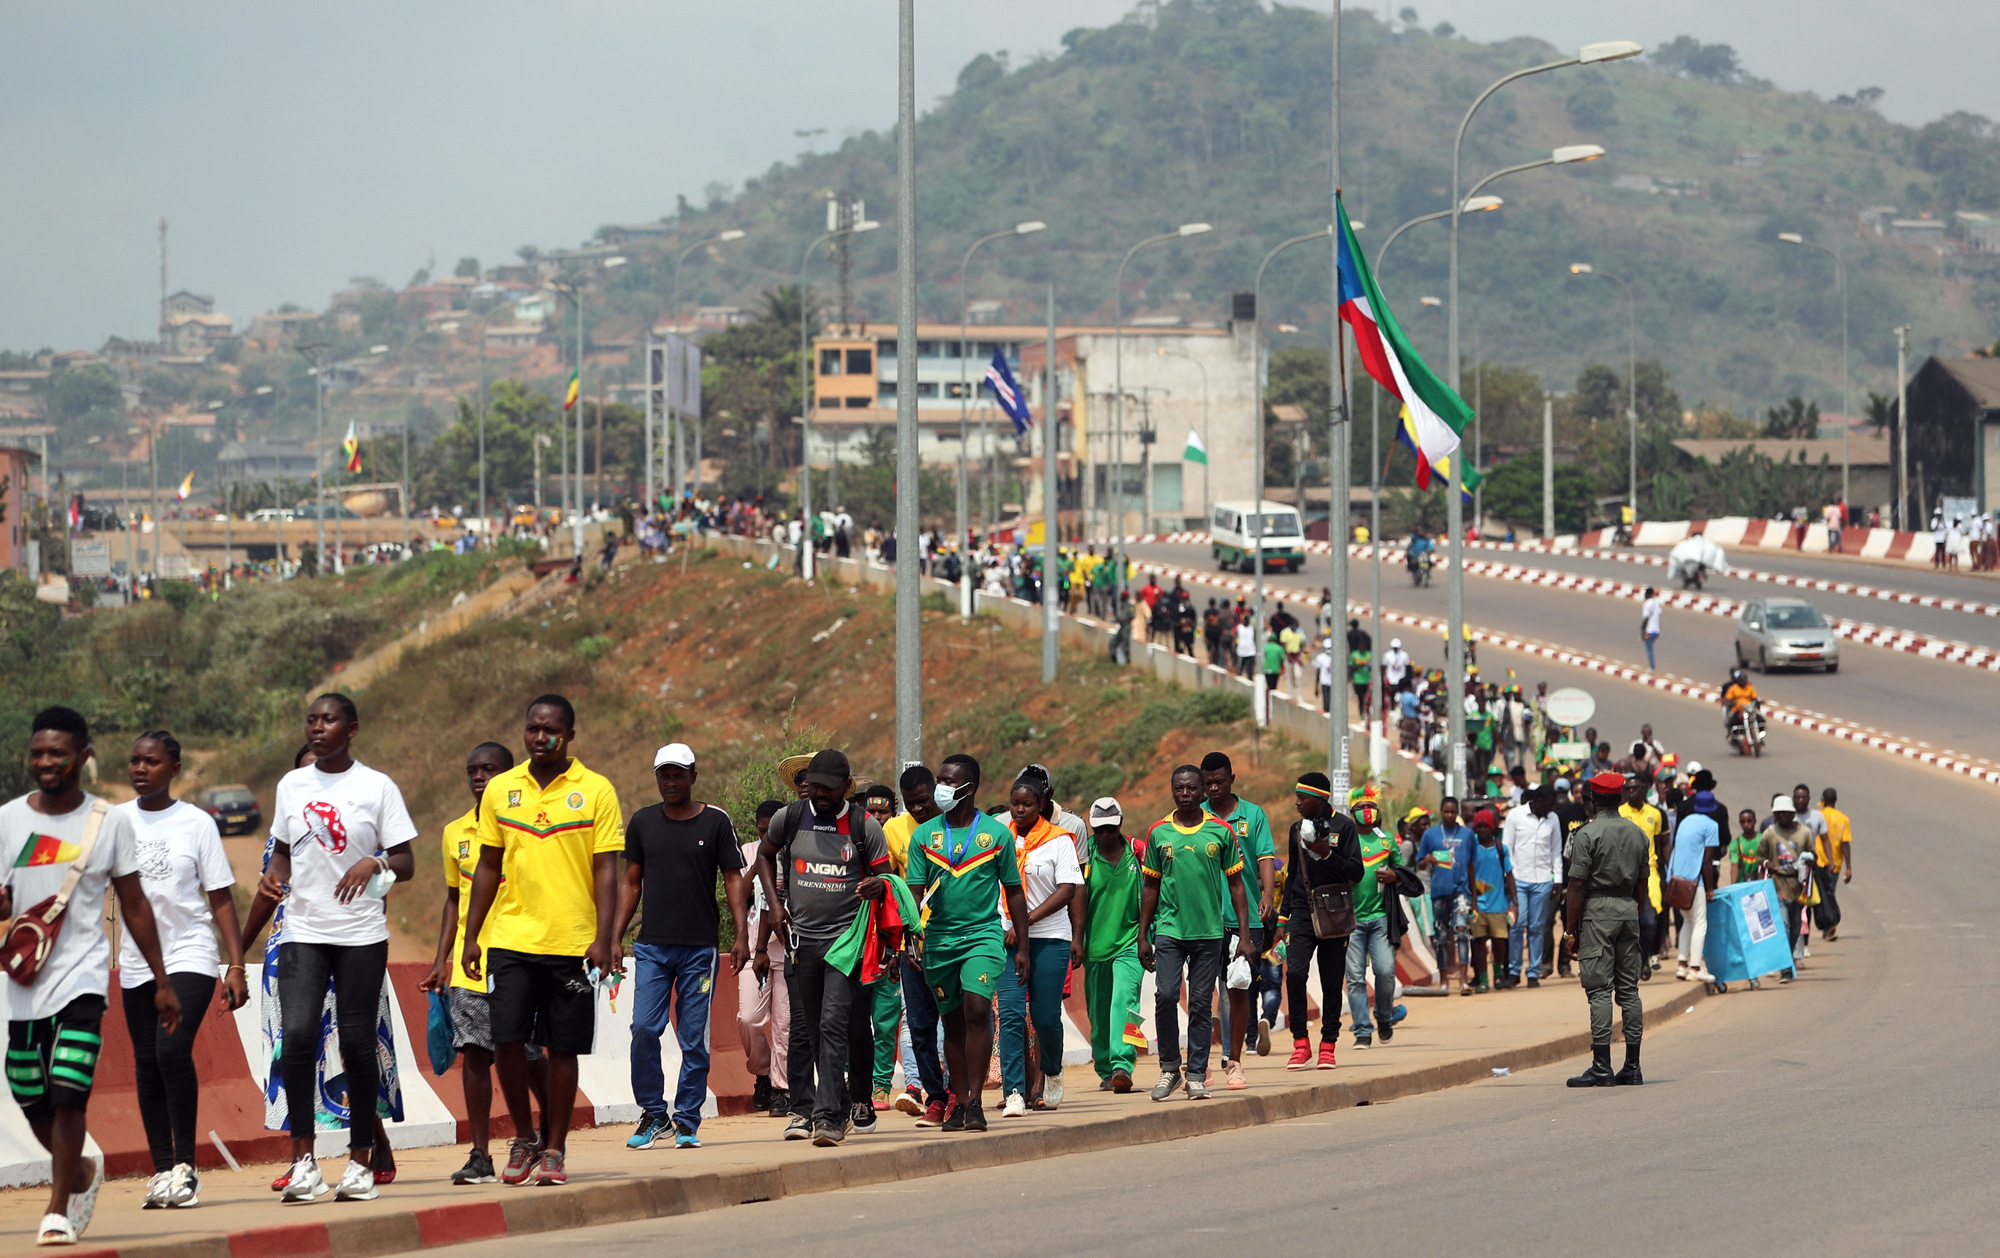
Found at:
[945, 797]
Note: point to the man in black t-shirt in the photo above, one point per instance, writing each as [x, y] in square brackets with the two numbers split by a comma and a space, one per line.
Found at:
[674, 852]
[1570, 815]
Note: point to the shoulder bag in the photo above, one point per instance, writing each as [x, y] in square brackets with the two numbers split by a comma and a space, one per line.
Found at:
[32, 936]
[1332, 911]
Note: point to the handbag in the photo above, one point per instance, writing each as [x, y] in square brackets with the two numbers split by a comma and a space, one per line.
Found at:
[1333, 911]
[32, 936]
[1679, 893]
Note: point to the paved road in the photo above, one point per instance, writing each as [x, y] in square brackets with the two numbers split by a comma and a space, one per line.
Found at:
[1923, 701]
[1844, 1114]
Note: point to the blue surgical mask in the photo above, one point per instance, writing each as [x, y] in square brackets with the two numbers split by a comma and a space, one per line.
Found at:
[945, 797]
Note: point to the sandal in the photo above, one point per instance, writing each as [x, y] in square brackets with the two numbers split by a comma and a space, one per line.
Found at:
[55, 1230]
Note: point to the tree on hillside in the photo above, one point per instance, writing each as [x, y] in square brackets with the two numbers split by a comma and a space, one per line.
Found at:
[447, 470]
[467, 266]
[1513, 492]
[1692, 59]
[751, 373]
[89, 390]
[1794, 417]
[1962, 150]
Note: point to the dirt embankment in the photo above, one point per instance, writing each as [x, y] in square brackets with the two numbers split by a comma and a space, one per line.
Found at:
[741, 663]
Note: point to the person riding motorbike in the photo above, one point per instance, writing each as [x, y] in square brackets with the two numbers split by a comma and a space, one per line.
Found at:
[1737, 697]
[1419, 556]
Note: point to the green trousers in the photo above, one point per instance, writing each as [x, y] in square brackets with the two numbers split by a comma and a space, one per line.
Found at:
[886, 1012]
[1111, 995]
[1607, 957]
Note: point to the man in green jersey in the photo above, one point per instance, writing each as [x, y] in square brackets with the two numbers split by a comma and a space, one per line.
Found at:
[1369, 947]
[1251, 828]
[1110, 935]
[965, 860]
[1191, 863]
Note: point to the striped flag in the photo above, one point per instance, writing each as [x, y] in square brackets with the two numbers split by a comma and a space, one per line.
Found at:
[575, 388]
[352, 447]
[1001, 381]
[1435, 414]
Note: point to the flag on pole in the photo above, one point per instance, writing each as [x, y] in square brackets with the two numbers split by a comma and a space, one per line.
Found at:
[1406, 436]
[1001, 381]
[352, 447]
[187, 487]
[1434, 414]
[1196, 452]
[575, 387]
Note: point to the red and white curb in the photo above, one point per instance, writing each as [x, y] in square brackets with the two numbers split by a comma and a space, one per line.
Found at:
[1846, 731]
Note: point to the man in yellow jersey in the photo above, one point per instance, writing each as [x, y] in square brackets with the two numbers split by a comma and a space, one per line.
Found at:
[1636, 810]
[1834, 864]
[553, 830]
[469, 1001]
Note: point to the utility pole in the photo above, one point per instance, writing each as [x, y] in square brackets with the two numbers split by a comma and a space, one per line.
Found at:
[909, 589]
[1903, 430]
[1336, 457]
[1548, 467]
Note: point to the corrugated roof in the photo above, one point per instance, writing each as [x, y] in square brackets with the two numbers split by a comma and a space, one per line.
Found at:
[1979, 376]
[1863, 451]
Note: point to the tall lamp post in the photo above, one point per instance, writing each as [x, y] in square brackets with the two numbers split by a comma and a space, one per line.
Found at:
[573, 290]
[1589, 54]
[1631, 382]
[1846, 402]
[1118, 389]
[805, 397]
[1903, 429]
[1263, 713]
[964, 396]
[670, 433]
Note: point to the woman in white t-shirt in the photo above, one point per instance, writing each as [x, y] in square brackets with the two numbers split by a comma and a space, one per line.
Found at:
[186, 878]
[340, 836]
[1050, 876]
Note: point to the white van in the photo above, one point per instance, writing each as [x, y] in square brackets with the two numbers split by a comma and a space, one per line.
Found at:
[1232, 536]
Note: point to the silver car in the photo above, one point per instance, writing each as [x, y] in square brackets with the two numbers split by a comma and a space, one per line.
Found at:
[1785, 633]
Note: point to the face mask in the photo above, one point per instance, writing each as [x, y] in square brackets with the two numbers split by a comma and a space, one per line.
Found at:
[945, 797]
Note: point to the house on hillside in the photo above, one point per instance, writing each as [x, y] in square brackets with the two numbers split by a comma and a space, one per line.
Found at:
[14, 465]
[1955, 431]
[185, 303]
[194, 334]
[239, 461]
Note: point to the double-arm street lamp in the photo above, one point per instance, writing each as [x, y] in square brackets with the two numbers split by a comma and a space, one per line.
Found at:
[667, 424]
[1589, 54]
[1118, 390]
[1846, 402]
[573, 290]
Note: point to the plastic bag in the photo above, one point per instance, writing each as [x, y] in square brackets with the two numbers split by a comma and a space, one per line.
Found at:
[1239, 975]
[438, 1036]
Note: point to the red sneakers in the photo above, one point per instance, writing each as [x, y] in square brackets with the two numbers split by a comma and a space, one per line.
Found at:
[936, 1112]
[1302, 1055]
[1326, 1054]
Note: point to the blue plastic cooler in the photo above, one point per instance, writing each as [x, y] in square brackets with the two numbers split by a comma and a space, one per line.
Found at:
[1746, 932]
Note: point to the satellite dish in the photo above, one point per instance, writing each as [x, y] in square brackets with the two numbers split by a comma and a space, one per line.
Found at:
[1570, 706]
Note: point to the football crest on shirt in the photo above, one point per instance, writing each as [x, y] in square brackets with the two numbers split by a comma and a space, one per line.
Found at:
[985, 841]
[513, 799]
[324, 827]
[1213, 848]
[575, 800]
[847, 851]
[464, 849]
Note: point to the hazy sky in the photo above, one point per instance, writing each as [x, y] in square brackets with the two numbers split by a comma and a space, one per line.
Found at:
[293, 146]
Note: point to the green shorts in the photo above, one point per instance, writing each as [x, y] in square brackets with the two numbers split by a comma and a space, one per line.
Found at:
[953, 969]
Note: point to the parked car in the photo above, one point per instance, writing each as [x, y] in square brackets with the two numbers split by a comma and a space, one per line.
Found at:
[273, 515]
[234, 808]
[1785, 633]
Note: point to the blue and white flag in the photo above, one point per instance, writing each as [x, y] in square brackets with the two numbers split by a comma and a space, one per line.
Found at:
[1001, 381]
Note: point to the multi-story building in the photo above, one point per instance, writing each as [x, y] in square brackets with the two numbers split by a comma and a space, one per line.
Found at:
[1176, 380]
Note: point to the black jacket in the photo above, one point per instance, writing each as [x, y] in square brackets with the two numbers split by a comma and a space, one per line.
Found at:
[1303, 872]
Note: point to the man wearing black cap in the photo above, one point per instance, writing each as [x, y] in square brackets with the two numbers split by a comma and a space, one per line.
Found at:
[1610, 860]
[834, 855]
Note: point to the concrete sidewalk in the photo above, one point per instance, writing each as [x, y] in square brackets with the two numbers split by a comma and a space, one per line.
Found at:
[1445, 1042]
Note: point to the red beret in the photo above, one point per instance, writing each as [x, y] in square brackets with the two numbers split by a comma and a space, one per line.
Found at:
[1608, 784]
[1485, 817]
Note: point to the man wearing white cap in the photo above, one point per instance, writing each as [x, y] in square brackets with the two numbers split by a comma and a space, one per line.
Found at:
[1109, 944]
[1395, 665]
[673, 853]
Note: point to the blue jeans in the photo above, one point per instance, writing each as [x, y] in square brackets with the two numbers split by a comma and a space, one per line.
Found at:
[1369, 945]
[922, 1063]
[1452, 934]
[684, 977]
[1650, 639]
[1535, 901]
[1039, 1002]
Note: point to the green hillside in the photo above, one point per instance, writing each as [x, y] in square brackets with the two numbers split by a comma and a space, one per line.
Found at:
[1217, 111]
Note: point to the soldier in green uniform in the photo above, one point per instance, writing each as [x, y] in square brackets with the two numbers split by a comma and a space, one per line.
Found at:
[1608, 865]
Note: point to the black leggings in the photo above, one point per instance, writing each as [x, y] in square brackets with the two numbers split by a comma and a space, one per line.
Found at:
[168, 1089]
[357, 971]
[1299, 952]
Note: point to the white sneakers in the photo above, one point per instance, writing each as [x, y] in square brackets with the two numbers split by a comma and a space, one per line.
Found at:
[305, 1182]
[1016, 1107]
[156, 1191]
[1052, 1091]
[183, 1187]
[358, 1184]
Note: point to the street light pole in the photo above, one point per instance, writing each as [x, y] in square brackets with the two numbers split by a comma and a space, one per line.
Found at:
[909, 588]
[1263, 713]
[1631, 383]
[1846, 400]
[1118, 393]
[1903, 430]
[1206, 506]
[670, 431]
[1051, 569]
[964, 511]
[806, 553]
[1454, 577]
